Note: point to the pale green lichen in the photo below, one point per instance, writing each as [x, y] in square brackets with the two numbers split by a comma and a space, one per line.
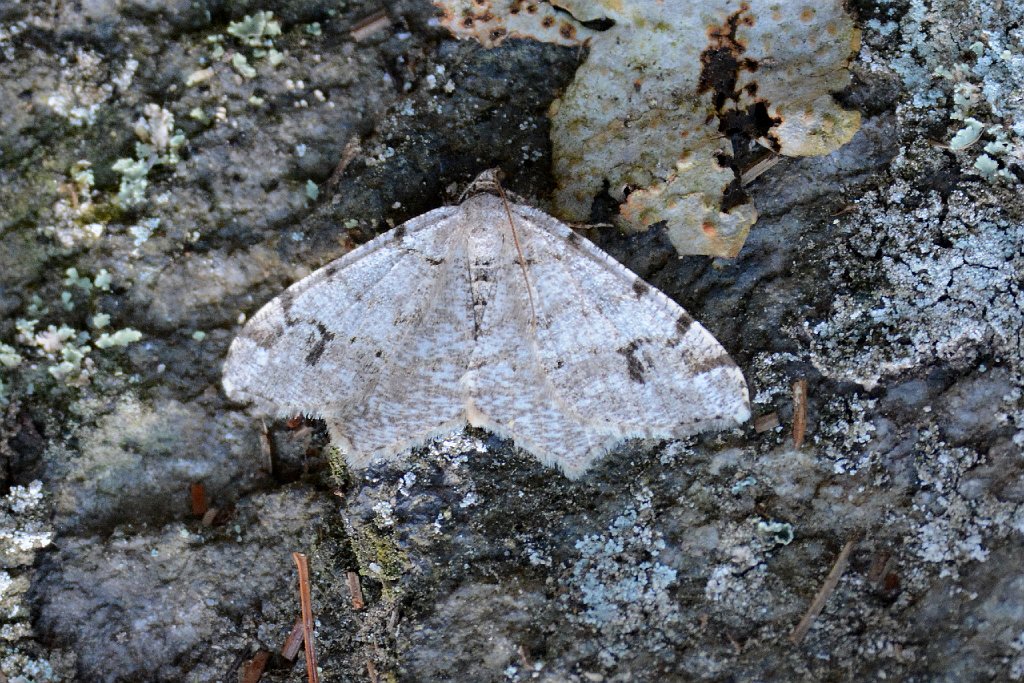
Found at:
[974, 68]
[217, 51]
[9, 356]
[255, 30]
[120, 338]
[622, 583]
[74, 211]
[972, 286]
[143, 230]
[132, 191]
[197, 114]
[26, 528]
[987, 166]
[241, 65]
[73, 279]
[158, 144]
[102, 280]
[59, 350]
[968, 135]
[780, 532]
[312, 191]
[199, 76]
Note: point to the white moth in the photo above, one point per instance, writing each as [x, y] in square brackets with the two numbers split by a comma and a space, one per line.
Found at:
[493, 314]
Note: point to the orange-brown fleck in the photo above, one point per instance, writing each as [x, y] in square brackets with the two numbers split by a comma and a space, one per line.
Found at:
[547, 22]
[531, 9]
[197, 493]
[485, 17]
[708, 228]
[806, 14]
[467, 22]
[831, 28]
[567, 31]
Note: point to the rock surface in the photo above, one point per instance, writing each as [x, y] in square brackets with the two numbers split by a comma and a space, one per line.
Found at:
[166, 168]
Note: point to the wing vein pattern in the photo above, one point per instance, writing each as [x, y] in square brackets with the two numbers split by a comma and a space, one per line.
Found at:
[430, 326]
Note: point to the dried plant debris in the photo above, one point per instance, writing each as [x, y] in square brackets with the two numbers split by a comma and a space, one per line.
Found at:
[493, 314]
[652, 113]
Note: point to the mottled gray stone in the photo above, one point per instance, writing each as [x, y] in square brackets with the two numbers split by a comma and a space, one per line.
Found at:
[886, 274]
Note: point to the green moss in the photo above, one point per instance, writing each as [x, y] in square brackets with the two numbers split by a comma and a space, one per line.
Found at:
[339, 468]
[102, 212]
[379, 557]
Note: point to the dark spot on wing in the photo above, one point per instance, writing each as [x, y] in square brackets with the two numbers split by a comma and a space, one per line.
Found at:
[633, 364]
[573, 239]
[683, 324]
[434, 261]
[318, 344]
[702, 365]
[400, 233]
[287, 300]
[332, 268]
[264, 337]
[640, 288]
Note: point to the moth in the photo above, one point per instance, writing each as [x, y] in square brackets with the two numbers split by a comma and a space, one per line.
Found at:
[493, 314]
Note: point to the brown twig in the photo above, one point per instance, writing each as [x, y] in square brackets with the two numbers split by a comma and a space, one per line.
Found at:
[355, 589]
[519, 250]
[266, 447]
[364, 28]
[751, 173]
[348, 153]
[831, 581]
[371, 671]
[293, 642]
[253, 669]
[799, 412]
[197, 494]
[306, 601]
[209, 517]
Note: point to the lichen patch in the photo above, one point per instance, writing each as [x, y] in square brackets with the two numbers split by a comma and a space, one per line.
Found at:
[652, 112]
